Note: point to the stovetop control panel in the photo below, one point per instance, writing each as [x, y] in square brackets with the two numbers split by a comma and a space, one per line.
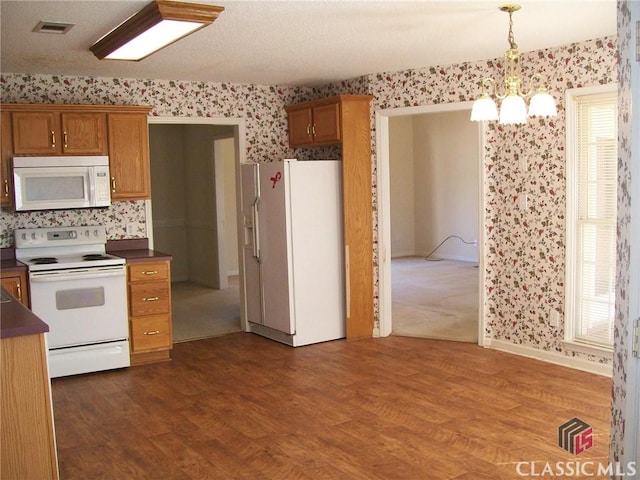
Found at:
[58, 236]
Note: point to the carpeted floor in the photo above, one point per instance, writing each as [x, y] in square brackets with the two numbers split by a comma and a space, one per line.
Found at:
[202, 312]
[435, 299]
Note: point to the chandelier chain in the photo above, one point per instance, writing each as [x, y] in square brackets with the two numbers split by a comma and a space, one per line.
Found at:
[511, 39]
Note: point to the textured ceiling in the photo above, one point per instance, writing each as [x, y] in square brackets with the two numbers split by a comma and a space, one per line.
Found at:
[297, 42]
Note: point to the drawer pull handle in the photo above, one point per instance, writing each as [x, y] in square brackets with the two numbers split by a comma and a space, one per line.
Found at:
[19, 291]
[152, 332]
[151, 299]
[113, 184]
[150, 272]
[53, 139]
[64, 139]
[6, 188]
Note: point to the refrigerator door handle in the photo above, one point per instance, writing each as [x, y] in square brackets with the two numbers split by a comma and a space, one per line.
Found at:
[256, 229]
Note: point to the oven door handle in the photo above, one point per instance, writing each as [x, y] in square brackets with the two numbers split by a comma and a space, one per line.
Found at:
[74, 276]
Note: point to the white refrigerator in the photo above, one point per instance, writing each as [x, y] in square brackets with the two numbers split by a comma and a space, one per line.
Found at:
[293, 250]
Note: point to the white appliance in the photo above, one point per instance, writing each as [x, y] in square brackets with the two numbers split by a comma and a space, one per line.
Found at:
[81, 293]
[48, 183]
[293, 250]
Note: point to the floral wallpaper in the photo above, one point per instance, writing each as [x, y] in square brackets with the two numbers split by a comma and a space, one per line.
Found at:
[524, 264]
[626, 54]
[262, 108]
[524, 271]
[115, 219]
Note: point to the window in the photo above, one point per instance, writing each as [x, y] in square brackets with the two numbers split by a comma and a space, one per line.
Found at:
[592, 155]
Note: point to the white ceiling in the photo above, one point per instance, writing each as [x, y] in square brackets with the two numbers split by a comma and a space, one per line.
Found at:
[306, 43]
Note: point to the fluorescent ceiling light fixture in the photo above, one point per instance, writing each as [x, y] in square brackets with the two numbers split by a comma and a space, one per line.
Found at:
[159, 24]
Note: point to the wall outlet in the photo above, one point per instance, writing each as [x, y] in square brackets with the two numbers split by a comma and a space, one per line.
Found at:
[554, 318]
[523, 164]
[523, 201]
[131, 228]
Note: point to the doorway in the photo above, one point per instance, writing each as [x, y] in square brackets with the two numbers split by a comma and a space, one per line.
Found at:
[433, 237]
[193, 217]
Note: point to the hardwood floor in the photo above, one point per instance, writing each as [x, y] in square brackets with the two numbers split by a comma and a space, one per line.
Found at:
[243, 407]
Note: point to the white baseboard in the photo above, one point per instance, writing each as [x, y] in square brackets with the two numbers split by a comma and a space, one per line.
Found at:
[404, 254]
[551, 357]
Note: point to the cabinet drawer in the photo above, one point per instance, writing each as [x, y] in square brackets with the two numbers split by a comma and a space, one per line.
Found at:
[144, 272]
[150, 333]
[149, 298]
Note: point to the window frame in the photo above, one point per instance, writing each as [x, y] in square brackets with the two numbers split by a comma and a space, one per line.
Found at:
[571, 290]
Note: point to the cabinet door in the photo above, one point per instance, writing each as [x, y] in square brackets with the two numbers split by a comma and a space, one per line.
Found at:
[15, 286]
[300, 124]
[36, 133]
[84, 133]
[326, 123]
[129, 156]
[6, 149]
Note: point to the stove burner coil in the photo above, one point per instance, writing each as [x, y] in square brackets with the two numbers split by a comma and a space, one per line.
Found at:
[43, 260]
[94, 256]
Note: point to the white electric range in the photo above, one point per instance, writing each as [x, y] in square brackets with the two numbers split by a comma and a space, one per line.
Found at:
[80, 291]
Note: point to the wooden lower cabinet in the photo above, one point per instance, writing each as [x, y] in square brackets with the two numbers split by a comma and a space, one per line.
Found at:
[16, 284]
[27, 435]
[149, 291]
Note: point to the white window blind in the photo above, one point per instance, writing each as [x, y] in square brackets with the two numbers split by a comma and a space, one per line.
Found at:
[596, 155]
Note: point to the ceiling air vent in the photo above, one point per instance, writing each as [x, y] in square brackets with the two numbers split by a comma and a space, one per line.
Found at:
[53, 27]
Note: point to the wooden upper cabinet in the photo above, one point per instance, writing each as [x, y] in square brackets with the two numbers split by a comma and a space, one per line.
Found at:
[119, 131]
[36, 133]
[6, 149]
[84, 133]
[314, 123]
[300, 122]
[326, 123]
[55, 133]
[129, 156]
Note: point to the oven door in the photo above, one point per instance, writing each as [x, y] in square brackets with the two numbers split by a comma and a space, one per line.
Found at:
[81, 306]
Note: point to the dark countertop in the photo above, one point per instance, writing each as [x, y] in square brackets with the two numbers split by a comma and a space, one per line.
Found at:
[135, 250]
[12, 265]
[8, 262]
[18, 320]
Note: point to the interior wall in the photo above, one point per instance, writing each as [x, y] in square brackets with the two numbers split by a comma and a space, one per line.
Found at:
[201, 226]
[184, 204]
[401, 163]
[434, 184]
[447, 182]
[228, 154]
[167, 190]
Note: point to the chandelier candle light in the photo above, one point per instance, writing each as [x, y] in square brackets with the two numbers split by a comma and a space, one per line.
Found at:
[513, 109]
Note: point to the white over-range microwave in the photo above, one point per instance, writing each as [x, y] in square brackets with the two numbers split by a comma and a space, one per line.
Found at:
[49, 183]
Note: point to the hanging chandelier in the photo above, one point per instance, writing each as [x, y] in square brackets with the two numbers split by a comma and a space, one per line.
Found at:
[513, 109]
